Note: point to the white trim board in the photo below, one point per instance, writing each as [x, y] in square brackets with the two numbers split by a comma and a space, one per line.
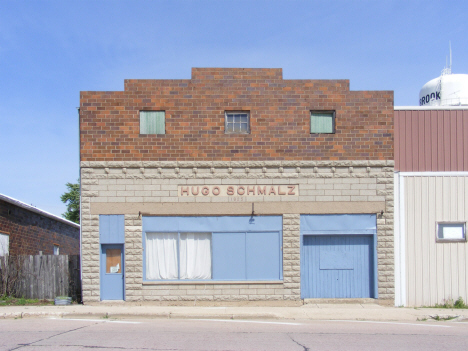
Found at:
[399, 237]
[428, 108]
[432, 174]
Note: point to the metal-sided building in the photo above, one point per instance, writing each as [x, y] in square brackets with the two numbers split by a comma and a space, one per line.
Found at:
[431, 204]
[237, 185]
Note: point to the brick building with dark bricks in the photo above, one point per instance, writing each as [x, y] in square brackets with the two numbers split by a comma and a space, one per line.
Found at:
[236, 185]
[27, 230]
[194, 113]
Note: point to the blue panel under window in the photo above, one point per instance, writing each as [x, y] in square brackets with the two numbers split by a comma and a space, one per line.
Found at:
[112, 229]
[229, 256]
[263, 256]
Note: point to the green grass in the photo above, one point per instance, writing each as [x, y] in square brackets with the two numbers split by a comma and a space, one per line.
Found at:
[439, 318]
[21, 301]
[459, 303]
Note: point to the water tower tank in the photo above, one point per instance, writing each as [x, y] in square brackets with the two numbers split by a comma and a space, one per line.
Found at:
[447, 90]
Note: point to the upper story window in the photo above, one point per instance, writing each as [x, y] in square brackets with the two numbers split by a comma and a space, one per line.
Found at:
[237, 122]
[152, 122]
[450, 232]
[322, 122]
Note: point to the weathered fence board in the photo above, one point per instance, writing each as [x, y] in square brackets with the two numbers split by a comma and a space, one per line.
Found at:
[46, 276]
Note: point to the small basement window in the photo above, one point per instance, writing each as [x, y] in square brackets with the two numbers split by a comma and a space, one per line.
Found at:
[322, 122]
[152, 122]
[451, 232]
[237, 122]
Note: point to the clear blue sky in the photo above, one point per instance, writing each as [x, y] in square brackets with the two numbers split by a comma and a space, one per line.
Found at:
[51, 50]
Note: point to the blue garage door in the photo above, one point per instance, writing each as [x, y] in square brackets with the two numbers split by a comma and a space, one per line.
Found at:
[337, 266]
[337, 256]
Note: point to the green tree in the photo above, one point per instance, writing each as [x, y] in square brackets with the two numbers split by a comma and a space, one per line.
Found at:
[72, 199]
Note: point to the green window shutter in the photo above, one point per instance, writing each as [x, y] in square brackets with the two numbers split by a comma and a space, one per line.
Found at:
[152, 122]
[321, 122]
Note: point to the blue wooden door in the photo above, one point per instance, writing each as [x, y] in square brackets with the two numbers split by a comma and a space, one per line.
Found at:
[337, 266]
[112, 272]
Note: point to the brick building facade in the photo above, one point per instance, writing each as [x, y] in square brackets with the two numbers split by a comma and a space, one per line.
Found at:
[27, 230]
[261, 202]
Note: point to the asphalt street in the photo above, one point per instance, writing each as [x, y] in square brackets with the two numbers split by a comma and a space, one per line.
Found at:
[209, 334]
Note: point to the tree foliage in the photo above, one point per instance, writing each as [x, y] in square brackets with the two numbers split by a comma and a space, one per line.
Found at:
[72, 199]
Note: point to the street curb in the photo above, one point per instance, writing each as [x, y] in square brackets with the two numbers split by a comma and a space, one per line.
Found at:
[232, 313]
[119, 315]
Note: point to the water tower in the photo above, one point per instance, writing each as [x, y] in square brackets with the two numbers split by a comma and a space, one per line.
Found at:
[447, 90]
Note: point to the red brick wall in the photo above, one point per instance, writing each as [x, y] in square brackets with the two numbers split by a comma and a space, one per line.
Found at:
[279, 113]
[30, 232]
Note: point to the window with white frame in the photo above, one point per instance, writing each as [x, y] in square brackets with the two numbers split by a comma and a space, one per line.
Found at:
[4, 244]
[152, 122]
[237, 122]
[178, 256]
[451, 231]
[322, 122]
[56, 249]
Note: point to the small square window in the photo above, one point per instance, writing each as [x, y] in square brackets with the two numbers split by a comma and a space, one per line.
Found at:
[450, 232]
[237, 122]
[56, 250]
[152, 122]
[322, 122]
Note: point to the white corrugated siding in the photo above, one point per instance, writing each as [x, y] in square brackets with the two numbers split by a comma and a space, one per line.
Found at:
[434, 271]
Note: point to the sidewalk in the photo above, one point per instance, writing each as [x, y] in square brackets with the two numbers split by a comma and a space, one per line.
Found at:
[372, 312]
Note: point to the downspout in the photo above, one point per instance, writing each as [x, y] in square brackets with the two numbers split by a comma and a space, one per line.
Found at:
[79, 178]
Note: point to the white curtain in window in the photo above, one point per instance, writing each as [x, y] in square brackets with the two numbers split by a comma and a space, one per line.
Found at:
[195, 256]
[161, 256]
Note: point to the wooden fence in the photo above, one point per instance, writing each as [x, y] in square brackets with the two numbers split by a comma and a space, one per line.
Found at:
[47, 276]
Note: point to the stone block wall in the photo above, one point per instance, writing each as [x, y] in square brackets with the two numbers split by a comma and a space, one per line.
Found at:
[138, 189]
[291, 256]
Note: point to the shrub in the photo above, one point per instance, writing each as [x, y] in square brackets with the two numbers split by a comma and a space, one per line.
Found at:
[460, 303]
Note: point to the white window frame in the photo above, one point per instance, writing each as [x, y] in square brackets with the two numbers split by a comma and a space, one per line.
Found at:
[228, 124]
[56, 249]
[441, 225]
